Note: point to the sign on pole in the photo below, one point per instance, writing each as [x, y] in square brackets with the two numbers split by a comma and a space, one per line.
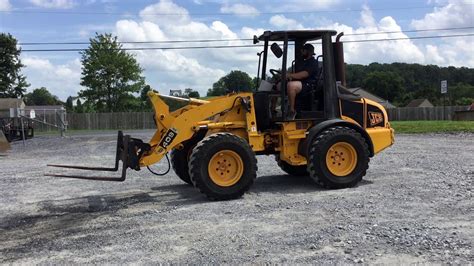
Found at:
[444, 86]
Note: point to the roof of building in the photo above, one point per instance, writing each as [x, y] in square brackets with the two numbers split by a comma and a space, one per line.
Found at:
[417, 102]
[7, 103]
[365, 94]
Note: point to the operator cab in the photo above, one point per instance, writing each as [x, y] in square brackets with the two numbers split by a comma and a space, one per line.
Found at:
[321, 101]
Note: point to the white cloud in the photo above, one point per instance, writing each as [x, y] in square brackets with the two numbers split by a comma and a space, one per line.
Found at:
[5, 5]
[200, 68]
[367, 18]
[456, 13]
[283, 23]
[247, 32]
[454, 52]
[130, 30]
[433, 55]
[449, 51]
[164, 13]
[383, 52]
[241, 10]
[61, 80]
[61, 4]
[171, 69]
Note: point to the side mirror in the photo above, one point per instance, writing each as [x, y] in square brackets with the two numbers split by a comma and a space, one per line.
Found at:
[276, 50]
[255, 39]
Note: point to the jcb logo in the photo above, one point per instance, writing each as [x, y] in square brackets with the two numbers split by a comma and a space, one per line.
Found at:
[169, 137]
[375, 118]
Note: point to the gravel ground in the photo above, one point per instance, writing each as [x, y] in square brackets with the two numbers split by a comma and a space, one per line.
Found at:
[414, 206]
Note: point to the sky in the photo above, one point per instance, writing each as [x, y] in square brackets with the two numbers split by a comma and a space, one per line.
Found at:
[170, 20]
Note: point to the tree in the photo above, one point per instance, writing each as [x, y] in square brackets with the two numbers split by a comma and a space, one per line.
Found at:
[110, 74]
[12, 83]
[194, 94]
[41, 96]
[387, 85]
[69, 104]
[146, 104]
[236, 80]
[461, 94]
[79, 108]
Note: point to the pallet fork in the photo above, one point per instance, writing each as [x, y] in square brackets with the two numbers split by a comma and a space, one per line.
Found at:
[129, 150]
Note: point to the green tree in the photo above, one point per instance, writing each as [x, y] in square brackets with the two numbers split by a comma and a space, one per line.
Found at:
[41, 96]
[79, 108]
[388, 85]
[146, 104]
[110, 74]
[194, 94]
[461, 94]
[419, 81]
[69, 104]
[12, 83]
[236, 80]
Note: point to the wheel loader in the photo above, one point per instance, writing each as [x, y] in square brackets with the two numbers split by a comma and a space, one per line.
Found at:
[214, 143]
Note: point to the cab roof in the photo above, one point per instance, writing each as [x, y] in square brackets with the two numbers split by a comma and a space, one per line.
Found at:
[293, 35]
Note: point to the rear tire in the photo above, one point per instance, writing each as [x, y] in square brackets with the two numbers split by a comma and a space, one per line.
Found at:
[338, 158]
[180, 158]
[223, 166]
[294, 170]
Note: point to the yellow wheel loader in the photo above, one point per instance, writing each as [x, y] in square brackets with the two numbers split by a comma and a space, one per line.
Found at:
[214, 143]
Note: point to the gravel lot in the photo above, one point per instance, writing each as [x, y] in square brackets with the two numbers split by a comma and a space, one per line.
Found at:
[414, 206]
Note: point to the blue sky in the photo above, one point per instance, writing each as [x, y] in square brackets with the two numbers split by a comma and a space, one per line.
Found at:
[74, 20]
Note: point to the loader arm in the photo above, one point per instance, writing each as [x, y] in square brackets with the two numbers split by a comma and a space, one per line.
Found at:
[177, 127]
[172, 129]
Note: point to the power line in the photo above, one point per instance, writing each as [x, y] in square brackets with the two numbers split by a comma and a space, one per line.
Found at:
[244, 46]
[143, 48]
[413, 38]
[136, 42]
[409, 31]
[237, 39]
[224, 14]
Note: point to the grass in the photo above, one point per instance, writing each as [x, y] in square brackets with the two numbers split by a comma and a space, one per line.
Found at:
[432, 126]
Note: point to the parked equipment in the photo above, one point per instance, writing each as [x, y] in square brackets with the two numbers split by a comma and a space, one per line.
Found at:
[4, 144]
[214, 143]
[16, 128]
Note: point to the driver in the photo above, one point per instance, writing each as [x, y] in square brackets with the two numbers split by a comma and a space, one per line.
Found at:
[303, 79]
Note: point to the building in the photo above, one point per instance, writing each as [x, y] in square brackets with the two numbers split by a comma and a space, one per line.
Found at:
[420, 103]
[180, 93]
[365, 94]
[9, 107]
[176, 93]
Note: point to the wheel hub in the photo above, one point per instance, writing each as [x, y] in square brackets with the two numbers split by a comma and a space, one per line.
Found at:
[341, 159]
[225, 168]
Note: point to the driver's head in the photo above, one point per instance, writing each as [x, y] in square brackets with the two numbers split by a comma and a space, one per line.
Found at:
[307, 50]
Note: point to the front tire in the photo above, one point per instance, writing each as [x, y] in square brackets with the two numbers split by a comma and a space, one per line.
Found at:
[180, 158]
[223, 166]
[338, 158]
